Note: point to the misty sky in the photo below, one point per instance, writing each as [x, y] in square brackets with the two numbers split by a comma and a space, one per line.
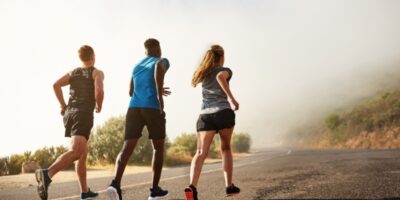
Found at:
[291, 60]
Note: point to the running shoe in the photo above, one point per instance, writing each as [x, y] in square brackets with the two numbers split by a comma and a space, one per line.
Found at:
[44, 181]
[232, 190]
[114, 191]
[88, 195]
[191, 193]
[157, 193]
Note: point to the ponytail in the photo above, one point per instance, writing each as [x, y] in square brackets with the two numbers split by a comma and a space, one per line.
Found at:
[213, 55]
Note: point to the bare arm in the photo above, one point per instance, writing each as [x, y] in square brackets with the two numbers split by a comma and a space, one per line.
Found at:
[98, 77]
[61, 82]
[159, 74]
[222, 78]
[131, 88]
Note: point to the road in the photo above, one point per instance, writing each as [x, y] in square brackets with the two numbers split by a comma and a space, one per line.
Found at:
[267, 174]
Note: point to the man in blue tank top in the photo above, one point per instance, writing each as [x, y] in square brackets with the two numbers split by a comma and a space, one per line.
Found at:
[146, 108]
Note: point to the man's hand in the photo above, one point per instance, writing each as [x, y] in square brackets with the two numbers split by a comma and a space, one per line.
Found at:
[166, 91]
[98, 108]
[61, 82]
[63, 108]
[98, 77]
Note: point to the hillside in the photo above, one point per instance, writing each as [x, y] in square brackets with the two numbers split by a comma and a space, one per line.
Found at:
[372, 124]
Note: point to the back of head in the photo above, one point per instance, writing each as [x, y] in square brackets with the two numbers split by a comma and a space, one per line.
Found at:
[152, 47]
[85, 53]
[212, 57]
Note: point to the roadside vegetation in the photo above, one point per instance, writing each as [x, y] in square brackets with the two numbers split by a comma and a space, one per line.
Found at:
[373, 124]
[105, 143]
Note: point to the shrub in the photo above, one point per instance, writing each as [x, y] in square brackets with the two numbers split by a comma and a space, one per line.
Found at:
[3, 166]
[241, 142]
[106, 143]
[48, 155]
[186, 145]
[332, 122]
[177, 155]
[14, 164]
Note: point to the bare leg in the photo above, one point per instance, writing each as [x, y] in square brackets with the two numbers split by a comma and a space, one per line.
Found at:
[123, 158]
[226, 153]
[78, 146]
[80, 168]
[204, 139]
[158, 159]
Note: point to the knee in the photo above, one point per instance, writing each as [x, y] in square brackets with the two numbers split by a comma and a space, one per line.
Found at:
[77, 154]
[201, 153]
[158, 150]
[225, 148]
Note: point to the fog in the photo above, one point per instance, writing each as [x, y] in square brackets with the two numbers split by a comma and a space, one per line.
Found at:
[310, 59]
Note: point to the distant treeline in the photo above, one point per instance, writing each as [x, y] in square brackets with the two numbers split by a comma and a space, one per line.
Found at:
[106, 142]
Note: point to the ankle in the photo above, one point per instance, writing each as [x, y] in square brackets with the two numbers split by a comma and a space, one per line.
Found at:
[116, 183]
[193, 186]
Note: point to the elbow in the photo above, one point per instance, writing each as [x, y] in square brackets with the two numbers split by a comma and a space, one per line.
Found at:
[56, 85]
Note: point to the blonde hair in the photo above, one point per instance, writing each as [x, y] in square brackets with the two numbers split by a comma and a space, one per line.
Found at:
[213, 55]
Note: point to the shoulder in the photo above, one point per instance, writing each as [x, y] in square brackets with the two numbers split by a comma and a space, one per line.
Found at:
[225, 72]
[98, 73]
[74, 71]
[163, 62]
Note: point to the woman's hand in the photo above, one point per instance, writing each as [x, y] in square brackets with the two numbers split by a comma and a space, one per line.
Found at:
[235, 103]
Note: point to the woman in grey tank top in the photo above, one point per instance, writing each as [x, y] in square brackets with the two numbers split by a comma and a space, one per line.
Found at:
[216, 116]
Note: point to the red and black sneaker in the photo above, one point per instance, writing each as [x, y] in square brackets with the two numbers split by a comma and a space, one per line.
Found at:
[191, 193]
[232, 190]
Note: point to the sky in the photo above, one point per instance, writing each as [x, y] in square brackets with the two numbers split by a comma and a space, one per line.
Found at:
[291, 60]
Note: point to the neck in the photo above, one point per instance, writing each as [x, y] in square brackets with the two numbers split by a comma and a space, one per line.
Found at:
[88, 64]
[152, 55]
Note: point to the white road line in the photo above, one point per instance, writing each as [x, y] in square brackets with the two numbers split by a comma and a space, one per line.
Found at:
[182, 176]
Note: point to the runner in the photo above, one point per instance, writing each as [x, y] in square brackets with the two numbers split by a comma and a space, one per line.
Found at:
[216, 116]
[146, 108]
[86, 95]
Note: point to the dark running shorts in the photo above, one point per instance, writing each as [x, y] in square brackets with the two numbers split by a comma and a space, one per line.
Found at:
[216, 121]
[137, 118]
[78, 123]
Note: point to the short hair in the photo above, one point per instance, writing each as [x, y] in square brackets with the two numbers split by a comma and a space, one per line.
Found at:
[151, 43]
[85, 53]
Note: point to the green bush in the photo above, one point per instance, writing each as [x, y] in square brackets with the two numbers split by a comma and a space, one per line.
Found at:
[177, 155]
[241, 142]
[3, 166]
[14, 164]
[48, 155]
[106, 143]
[187, 143]
[333, 122]
[143, 153]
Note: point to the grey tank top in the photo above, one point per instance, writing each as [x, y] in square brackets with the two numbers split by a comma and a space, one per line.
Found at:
[214, 98]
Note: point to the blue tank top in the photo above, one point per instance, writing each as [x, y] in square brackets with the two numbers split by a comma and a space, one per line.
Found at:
[144, 84]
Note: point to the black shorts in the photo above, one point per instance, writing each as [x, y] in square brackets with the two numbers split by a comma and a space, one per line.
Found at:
[216, 121]
[137, 118]
[78, 122]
